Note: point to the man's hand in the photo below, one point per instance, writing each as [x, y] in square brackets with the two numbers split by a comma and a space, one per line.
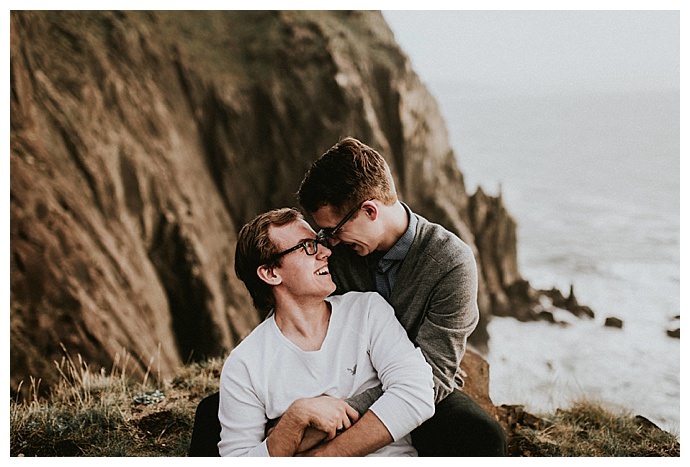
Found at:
[307, 423]
[310, 439]
[365, 437]
[328, 414]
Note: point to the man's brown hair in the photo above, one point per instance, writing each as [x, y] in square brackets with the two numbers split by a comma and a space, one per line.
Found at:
[348, 173]
[255, 248]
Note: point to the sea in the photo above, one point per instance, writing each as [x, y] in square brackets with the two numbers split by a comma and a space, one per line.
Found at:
[593, 183]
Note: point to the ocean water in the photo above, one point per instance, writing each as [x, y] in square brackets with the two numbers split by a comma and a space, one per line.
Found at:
[593, 182]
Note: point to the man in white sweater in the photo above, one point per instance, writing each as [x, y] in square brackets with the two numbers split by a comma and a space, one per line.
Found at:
[312, 352]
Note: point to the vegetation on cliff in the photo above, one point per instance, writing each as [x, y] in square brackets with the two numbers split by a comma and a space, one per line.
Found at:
[108, 414]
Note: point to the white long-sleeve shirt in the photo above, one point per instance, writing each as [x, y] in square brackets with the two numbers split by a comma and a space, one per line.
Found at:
[365, 345]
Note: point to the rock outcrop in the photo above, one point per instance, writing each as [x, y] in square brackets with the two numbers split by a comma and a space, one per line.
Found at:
[142, 141]
[613, 322]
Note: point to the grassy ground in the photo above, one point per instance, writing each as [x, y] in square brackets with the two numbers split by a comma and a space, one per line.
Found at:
[106, 414]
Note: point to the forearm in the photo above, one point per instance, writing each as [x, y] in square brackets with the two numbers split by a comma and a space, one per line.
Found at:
[366, 436]
[307, 422]
[310, 439]
[285, 438]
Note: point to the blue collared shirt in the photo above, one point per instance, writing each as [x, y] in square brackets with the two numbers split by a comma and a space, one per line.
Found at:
[387, 267]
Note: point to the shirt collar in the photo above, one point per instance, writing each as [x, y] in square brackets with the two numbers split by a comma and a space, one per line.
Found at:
[402, 246]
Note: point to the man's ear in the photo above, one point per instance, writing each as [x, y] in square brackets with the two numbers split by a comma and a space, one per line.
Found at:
[269, 275]
[370, 209]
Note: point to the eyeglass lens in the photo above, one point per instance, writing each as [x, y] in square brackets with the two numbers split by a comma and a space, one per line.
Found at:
[310, 247]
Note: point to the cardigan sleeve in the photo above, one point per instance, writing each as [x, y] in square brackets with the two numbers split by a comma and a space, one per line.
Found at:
[450, 315]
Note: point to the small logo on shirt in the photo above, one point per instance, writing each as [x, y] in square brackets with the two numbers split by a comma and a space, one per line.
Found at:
[353, 370]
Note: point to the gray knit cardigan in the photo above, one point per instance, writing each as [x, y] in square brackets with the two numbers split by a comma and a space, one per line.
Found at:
[434, 297]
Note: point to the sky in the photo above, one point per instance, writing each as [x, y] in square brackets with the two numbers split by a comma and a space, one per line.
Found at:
[536, 52]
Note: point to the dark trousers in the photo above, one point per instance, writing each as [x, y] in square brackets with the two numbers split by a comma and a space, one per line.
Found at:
[459, 428]
[206, 432]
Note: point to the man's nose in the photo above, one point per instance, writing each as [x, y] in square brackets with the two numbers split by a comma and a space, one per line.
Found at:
[324, 251]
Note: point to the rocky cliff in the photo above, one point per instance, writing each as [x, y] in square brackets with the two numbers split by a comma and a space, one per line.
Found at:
[142, 141]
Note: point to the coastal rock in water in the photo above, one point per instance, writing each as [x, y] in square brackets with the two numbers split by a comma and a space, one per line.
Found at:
[568, 303]
[613, 322]
[675, 329]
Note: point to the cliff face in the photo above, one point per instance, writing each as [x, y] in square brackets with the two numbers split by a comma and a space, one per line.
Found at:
[141, 142]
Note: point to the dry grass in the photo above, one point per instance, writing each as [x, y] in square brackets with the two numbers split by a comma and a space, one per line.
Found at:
[588, 430]
[106, 414]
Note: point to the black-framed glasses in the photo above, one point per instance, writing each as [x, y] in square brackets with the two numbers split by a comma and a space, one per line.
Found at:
[311, 247]
[327, 233]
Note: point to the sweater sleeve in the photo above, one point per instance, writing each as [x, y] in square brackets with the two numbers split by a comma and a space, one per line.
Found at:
[451, 314]
[241, 413]
[408, 395]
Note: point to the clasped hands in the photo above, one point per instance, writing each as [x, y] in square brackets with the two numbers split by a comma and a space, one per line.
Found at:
[321, 418]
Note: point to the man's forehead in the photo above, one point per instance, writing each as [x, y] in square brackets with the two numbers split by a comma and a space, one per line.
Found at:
[326, 216]
[290, 234]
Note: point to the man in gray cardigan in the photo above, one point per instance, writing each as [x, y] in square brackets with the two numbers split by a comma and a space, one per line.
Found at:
[425, 272]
